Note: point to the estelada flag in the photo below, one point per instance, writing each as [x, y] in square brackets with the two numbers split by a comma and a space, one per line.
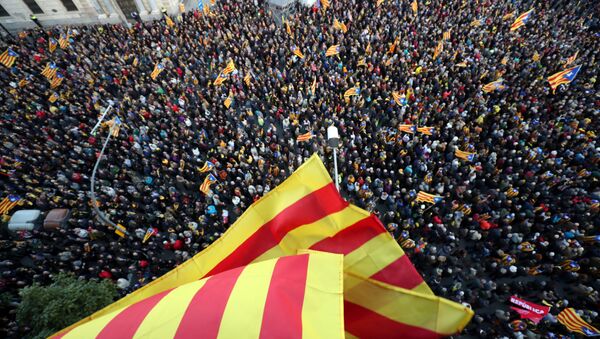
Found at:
[50, 70]
[8, 57]
[333, 50]
[384, 295]
[468, 156]
[297, 52]
[574, 323]
[304, 137]
[287, 297]
[521, 20]
[157, 70]
[229, 68]
[52, 43]
[208, 166]
[169, 21]
[352, 91]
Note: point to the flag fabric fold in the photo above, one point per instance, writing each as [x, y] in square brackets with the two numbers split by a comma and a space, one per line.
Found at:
[306, 212]
[333, 50]
[468, 156]
[8, 57]
[286, 297]
[304, 137]
[157, 70]
[574, 323]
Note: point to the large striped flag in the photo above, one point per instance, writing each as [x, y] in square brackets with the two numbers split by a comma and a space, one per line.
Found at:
[333, 50]
[428, 198]
[157, 70]
[521, 20]
[209, 180]
[8, 57]
[304, 137]
[563, 77]
[9, 203]
[287, 297]
[384, 295]
[50, 70]
[468, 156]
[574, 323]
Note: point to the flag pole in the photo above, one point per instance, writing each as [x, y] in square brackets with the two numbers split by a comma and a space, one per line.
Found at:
[333, 140]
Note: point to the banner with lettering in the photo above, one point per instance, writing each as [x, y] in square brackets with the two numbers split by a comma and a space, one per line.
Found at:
[529, 310]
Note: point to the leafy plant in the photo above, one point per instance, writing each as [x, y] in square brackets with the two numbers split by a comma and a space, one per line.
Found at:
[47, 309]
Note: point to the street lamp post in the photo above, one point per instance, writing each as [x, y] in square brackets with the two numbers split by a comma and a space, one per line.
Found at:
[333, 140]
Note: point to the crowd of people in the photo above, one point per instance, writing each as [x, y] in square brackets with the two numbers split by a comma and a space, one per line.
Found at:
[519, 219]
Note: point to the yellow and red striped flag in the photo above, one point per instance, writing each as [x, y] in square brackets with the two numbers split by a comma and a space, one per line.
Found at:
[50, 70]
[368, 49]
[462, 64]
[415, 6]
[313, 87]
[209, 180]
[536, 56]
[229, 68]
[297, 52]
[288, 297]
[169, 21]
[351, 91]
[333, 50]
[396, 97]
[228, 101]
[52, 43]
[574, 323]
[53, 97]
[428, 198]
[8, 57]
[571, 59]
[325, 4]
[339, 25]
[304, 137]
[208, 166]
[9, 203]
[408, 128]
[494, 85]
[57, 80]
[477, 22]
[426, 130]
[378, 3]
[446, 35]
[219, 80]
[438, 49]
[468, 156]
[521, 20]
[509, 15]
[247, 79]
[23, 82]
[563, 77]
[63, 41]
[157, 70]
[307, 212]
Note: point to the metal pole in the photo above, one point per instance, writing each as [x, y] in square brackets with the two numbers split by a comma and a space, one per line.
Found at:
[335, 170]
[93, 132]
[99, 213]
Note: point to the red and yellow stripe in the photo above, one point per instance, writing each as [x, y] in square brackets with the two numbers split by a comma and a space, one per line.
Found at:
[288, 297]
[574, 323]
[307, 212]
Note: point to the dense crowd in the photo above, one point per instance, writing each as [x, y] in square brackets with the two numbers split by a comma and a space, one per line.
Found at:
[512, 221]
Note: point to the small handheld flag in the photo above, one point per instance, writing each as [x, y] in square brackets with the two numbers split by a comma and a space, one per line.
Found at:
[63, 41]
[333, 50]
[157, 70]
[228, 101]
[208, 166]
[229, 69]
[426, 130]
[297, 52]
[209, 180]
[468, 156]
[351, 91]
[57, 80]
[8, 57]
[53, 97]
[52, 43]
[521, 20]
[438, 49]
[149, 232]
[429, 198]
[304, 137]
[219, 80]
[494, 85]
[50, 70]
[571, 59]
[408, 128]
[563, 77]
[509, 15]
[169, 21]
[477, 22]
